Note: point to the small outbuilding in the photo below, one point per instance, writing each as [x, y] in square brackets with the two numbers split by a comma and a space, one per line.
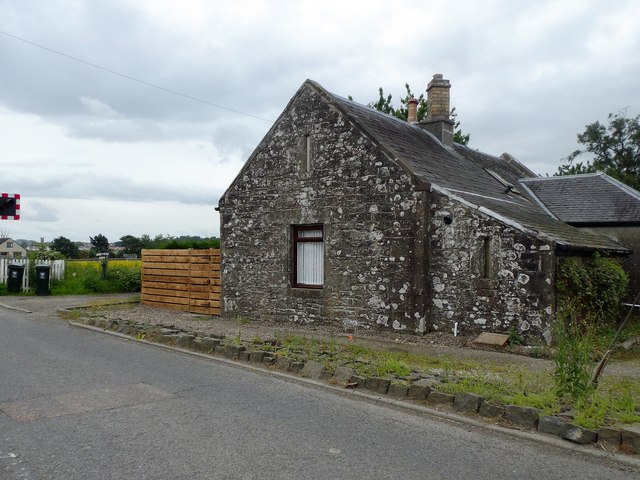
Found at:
[346, 215]
[598, 203]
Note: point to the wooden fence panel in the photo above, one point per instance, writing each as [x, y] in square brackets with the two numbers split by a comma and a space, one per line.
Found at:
[186, 280]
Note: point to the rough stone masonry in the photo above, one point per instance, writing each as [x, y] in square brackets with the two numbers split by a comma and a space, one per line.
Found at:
[397, 254]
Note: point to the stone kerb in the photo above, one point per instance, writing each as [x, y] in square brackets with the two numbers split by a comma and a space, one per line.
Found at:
[625, 438]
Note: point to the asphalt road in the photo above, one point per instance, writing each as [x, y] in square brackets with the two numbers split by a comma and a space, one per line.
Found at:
[79, 404]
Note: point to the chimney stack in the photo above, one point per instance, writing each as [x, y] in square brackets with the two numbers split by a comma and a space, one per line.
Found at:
[437, 121]
[412, 113]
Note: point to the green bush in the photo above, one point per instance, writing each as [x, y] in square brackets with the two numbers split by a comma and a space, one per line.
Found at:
[93, 282]
[593, 289]
[192, 243]
[41, 254]
[591, 292]
[125, 279]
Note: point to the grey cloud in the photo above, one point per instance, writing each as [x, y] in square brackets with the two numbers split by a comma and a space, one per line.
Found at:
[105, 185]
[257, 80]
[525, 76]
[115, 129]
[39, 212]
[46, 84]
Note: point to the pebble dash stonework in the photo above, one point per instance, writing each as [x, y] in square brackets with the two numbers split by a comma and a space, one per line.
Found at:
[393, 260]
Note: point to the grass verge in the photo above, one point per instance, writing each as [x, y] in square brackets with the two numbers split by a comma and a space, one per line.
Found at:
[616, 401]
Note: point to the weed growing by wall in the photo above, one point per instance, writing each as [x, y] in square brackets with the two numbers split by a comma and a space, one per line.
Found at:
[572, 358]
[591, 294]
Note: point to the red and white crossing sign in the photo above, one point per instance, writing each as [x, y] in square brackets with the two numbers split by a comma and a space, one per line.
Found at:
[9, 206]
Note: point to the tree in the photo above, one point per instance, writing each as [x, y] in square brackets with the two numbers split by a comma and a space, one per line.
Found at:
[131, 244]
[615, 148]
[43, 253]
[384, 104]
[65, 246]
[100, 243]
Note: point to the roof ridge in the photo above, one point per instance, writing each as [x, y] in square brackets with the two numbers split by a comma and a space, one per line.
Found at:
[613, 181]
[405, 123]
[377, 112]
[622, 186]
[563, 177]
[538, 200]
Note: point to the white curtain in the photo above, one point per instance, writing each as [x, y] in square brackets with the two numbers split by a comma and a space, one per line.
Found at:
[310, 256]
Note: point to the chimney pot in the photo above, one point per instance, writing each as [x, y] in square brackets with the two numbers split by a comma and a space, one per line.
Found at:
[437, 121]
[412, 110]
[438, 97]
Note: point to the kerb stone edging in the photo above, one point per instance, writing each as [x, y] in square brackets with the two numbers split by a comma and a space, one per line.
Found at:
[9, 307]
[385, 400]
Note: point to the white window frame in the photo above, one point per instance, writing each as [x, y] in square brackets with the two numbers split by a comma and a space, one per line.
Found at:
[308, 256]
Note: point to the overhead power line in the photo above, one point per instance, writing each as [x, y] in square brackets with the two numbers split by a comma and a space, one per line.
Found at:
[134, 79]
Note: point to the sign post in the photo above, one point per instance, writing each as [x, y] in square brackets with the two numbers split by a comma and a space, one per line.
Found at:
[9, 206]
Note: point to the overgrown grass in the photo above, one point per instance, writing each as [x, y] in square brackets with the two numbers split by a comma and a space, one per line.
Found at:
[4, 291]
[85, 277]
[605, 334]
[616, 399]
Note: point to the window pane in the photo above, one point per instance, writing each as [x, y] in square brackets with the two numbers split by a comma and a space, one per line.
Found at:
[310, 233]
[310, 255]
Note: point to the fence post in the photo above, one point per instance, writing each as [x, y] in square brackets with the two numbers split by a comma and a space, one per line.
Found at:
[25, 276]
[190, 284]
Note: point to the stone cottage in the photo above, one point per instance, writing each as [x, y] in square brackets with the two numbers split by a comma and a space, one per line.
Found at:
[346, 215]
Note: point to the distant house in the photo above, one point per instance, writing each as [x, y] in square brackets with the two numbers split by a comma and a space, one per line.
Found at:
[346, 215]
[599, 203]
[9, 248]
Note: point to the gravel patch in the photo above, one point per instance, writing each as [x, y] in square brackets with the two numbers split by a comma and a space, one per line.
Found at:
[436, 344]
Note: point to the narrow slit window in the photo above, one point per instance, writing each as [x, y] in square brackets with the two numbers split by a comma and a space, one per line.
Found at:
[308, 154]
[308, 256]
[486, 257]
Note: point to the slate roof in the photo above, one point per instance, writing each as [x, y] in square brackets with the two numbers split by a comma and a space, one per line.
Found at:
[463, 173]
[587, 199]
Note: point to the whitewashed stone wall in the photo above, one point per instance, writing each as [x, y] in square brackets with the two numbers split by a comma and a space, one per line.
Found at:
[517, 294]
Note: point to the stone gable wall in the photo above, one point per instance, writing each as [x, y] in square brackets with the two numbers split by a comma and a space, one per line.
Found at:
[372, 218]
[517, 294]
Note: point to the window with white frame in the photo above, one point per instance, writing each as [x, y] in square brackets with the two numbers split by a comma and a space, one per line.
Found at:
[308, 256]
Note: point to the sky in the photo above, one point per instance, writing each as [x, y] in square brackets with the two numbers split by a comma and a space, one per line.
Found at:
[131, 117]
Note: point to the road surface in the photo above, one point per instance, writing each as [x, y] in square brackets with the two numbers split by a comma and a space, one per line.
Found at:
[76, 404]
